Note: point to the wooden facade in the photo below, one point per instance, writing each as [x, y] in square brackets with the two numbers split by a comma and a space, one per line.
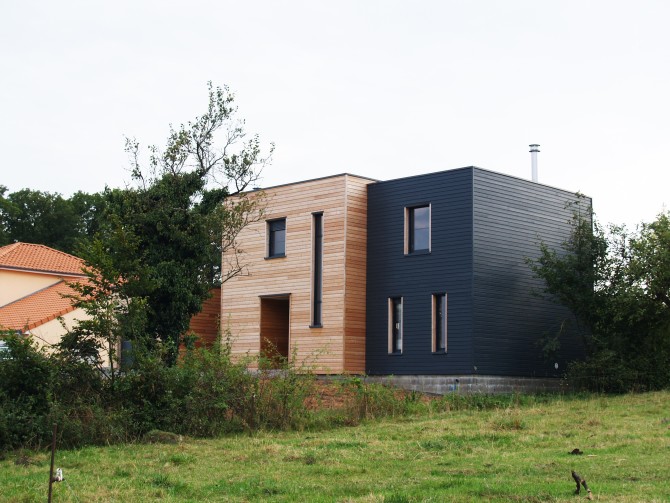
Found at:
[272, 306]
[205, 324]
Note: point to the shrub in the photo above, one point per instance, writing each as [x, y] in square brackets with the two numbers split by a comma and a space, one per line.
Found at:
[212, 385]
[280, 390]
[372, 400]
[25, 377]
[208, 393]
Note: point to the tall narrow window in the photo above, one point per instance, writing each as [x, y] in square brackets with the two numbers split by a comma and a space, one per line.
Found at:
[317, 269]
[440, 323]
[277, 238]
[395, 325]
[417, 229]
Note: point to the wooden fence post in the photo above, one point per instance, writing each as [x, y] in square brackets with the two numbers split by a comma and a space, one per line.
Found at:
[53, 455]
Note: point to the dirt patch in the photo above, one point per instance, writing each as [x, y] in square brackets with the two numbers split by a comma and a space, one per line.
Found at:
[328, 395]
[335, 396]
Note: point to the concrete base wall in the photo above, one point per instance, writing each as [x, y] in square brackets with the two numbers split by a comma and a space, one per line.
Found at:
[441, 385]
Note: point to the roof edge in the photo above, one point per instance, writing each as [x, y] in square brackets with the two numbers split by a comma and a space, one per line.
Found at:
[311, 180]
[43, 271]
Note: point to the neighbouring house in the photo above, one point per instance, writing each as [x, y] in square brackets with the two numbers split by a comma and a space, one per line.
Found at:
[34, 288]
[422, 278]
[33, 284]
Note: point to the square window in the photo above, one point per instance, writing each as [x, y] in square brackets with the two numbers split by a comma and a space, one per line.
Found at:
[440, 323]
[277, 238]
[395, 325]
[417, 229]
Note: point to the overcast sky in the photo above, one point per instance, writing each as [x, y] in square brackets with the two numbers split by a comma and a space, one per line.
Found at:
[382, 89]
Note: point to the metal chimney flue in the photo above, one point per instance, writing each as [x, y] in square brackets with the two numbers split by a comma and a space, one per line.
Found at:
[534, 149]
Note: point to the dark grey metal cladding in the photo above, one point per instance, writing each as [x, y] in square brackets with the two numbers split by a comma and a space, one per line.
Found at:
[447, 268]
[511, 217]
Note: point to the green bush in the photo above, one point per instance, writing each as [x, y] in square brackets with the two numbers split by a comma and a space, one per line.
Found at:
[25, 377]
[372, 400]
[148, 395]
[211, 384]
[87, 424]
[279, 392]
[26, 372]
[207, 394]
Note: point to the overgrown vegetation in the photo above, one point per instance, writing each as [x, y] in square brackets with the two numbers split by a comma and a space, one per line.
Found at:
[617, 284]
[508, 448]
[206, 394]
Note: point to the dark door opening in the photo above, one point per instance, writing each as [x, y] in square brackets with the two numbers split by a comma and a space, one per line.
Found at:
[275, 329]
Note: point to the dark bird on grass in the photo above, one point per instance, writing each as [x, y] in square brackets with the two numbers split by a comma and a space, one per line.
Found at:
[581, 480]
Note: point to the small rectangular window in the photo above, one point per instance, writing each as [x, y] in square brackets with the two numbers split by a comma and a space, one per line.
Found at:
[417, 229]
[317, 269]
[440, 323]
[395, 325]
[277, 238]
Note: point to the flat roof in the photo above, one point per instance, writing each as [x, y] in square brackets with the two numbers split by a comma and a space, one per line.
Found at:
[313, 180]
[374, 180]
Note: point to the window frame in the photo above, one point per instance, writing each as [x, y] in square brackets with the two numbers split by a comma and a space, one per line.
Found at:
[410, 229]
[395, 345]
[317, 270]
[439, 324]
[270, 251]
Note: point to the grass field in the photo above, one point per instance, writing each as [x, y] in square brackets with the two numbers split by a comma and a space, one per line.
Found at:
[512, 453]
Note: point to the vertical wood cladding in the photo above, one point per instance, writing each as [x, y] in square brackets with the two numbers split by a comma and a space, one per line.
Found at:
[511, 217]
[336, 346]
[205, 324]
[355, 269]
[416, 277]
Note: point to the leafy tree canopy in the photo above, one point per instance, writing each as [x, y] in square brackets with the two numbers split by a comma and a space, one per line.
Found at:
[163, 238]
[617, 284]
[50, 219]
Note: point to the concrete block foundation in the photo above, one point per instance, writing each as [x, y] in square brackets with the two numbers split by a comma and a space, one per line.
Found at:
[492, 385]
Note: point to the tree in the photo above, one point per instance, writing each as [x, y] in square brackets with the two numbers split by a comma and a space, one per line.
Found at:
[188, 206]
[616, 283]
[50, 219]
[650, 260]
[112, 314]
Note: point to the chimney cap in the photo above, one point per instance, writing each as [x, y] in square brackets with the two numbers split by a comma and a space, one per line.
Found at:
[534, 147]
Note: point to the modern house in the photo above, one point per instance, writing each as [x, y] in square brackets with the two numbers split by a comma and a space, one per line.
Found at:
[305, 287]
[33, 283]
[423, 278]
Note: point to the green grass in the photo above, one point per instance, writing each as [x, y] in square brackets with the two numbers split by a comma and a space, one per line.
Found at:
[510, 453]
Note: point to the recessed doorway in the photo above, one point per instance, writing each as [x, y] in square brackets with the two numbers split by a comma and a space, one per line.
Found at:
[275, 328]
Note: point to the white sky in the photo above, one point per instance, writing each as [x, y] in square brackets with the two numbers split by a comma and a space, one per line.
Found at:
[382, 89]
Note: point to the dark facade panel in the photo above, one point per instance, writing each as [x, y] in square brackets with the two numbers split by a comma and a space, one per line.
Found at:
[446, 269]
[511, 217]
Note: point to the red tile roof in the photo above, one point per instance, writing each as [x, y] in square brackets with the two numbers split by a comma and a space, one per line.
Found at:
[32, 257]
[37, 308]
